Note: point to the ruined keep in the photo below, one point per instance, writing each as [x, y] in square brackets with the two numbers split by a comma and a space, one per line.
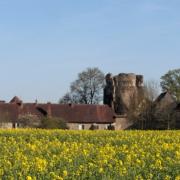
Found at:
[121, 90]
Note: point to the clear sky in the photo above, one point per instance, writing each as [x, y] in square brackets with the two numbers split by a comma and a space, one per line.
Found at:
[44, 44]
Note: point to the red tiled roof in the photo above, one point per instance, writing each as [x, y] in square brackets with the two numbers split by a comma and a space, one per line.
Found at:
[70, 113]
[29, 108]
[8, 112]
[83, 113]
[16, 100]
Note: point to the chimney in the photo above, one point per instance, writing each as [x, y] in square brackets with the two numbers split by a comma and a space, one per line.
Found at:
[49, 109]
[36, 102]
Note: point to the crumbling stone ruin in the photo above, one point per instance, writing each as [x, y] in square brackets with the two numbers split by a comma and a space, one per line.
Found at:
[121, 90]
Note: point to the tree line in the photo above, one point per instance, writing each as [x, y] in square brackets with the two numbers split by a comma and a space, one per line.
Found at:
[88, 87]
[144, 111]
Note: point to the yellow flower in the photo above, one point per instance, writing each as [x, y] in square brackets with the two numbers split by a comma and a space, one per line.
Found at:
[124, 171]
[28, 178]
[65, 173]
[139, 177]
[101, 170]
[120, 162]
[91, 164]
[40, 164]
[158, 163]
[138, 161]
[70, 160]
[59, 178]
[1, 172]
[167, 177]
[84, 154]
[177, 154]
[150, 176]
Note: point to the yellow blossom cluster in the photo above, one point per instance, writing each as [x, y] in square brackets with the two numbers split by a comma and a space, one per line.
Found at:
[56, 154]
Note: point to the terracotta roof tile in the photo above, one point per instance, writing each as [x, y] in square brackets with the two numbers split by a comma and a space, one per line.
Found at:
[30, 108]
[71, 113]
[83, 113]
[8, 112]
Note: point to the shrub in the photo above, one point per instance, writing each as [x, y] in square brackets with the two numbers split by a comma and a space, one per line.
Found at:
[28, 121]
[53, 123]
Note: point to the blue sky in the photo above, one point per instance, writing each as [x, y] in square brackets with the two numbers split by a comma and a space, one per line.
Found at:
[44, 44]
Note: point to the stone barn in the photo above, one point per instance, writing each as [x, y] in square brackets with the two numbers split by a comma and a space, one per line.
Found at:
[77, 117]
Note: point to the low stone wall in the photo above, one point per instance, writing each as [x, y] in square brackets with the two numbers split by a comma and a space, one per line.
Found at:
[122, 123]
[86, 126]
[7, 125]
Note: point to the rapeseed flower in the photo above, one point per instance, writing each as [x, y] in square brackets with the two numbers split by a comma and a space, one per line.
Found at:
[56, 154]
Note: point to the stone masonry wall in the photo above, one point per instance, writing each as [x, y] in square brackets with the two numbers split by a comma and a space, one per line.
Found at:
[120, 90]
[86, 126]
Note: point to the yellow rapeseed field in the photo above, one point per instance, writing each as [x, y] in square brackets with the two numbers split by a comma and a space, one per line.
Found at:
[44, 154]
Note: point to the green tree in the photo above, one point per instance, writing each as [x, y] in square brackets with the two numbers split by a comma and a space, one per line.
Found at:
[171, 82]
[87, 89]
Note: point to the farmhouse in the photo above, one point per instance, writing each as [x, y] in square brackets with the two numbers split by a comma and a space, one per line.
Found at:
[76, 116]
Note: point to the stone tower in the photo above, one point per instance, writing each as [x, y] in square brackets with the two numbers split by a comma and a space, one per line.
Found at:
[120, 90]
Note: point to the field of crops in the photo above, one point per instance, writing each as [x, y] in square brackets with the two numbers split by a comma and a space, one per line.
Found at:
[40, 154]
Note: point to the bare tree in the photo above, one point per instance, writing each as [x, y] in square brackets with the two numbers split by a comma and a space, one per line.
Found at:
[87, 89]
[28, 121]
[165, 117]
[68, 98]
[152, 89]
[142, 111]
[147, 112]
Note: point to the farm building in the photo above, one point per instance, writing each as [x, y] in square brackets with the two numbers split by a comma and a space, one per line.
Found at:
[76, 116]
